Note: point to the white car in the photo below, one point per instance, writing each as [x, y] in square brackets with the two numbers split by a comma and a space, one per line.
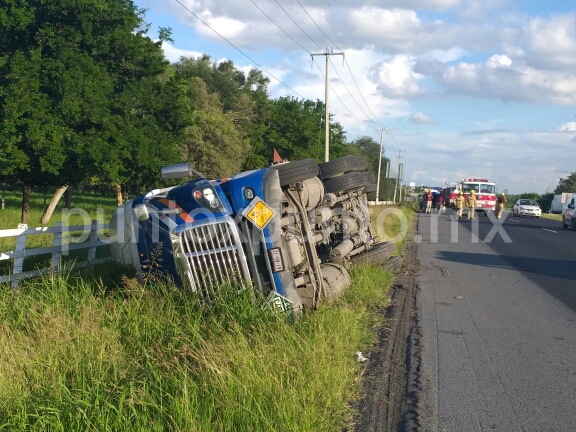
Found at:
[527, 207]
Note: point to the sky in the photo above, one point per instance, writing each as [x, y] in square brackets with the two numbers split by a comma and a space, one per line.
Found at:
[467, 88]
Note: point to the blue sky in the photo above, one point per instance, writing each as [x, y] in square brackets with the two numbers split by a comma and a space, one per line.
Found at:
[467, 87]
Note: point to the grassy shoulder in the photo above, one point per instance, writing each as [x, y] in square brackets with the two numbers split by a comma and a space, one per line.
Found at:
[556, 217]
[150, 358]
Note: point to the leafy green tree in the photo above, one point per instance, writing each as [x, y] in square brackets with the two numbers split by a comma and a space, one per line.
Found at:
[567, 184]
[80, 92]
[212, 143]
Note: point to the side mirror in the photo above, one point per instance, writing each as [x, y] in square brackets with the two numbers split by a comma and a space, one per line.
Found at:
[177, 171]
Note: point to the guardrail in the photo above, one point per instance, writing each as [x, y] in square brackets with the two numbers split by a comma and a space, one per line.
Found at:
[59, 249]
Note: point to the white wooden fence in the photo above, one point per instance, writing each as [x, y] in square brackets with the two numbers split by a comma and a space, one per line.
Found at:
[60, 248]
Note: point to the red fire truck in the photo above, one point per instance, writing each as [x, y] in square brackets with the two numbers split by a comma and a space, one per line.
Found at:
[484, 189]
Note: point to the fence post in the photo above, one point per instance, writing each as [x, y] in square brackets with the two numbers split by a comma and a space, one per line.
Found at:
[3, 195]
[93, 238]
[19, 259]
[57, 254]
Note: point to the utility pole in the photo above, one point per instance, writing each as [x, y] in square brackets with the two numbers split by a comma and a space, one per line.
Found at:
[327, 54]
[398, 178]
[379, 163]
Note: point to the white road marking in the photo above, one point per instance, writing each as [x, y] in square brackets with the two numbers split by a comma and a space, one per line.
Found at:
[555, 232]
[514, 220]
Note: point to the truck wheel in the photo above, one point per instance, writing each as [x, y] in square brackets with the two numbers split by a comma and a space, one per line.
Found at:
[348, 181]
[377, 255]
[296, 171]
[564, 226]
[342, 165]
[393, 263]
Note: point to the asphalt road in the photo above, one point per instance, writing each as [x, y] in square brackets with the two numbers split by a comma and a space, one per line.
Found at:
[498, 325]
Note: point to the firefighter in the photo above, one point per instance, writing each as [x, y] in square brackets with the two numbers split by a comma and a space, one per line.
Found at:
[500, 205]
[471, 203]
[459, 202]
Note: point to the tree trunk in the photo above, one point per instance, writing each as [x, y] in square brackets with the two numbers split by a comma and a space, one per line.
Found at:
[25, 204]
[118, 194]
[68, 198]
[52, 206]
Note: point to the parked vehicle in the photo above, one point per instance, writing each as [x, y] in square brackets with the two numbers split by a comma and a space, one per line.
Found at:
[526, 207]
[557, 205]
[568, 216]
[289, 230]
[484, 189]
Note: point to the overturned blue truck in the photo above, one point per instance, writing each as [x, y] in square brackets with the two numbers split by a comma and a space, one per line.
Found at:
[289, 231]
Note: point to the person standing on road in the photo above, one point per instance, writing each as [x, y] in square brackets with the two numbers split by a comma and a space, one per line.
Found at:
[428, 199]
[459, 202]
[440, 202]
[472, 204]
[500, 205]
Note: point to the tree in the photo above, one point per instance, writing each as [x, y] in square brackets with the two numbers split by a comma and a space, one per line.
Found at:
[567, 184]
[77, 83]
[212, 143]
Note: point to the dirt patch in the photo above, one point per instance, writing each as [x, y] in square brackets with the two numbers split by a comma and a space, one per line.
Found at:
[391, 381]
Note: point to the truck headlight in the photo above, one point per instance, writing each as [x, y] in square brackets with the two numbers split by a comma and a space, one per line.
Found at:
[207, 197]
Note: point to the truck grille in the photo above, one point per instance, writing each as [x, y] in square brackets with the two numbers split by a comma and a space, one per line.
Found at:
[215, 256]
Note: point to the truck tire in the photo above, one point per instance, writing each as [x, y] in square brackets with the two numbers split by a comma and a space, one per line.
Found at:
[564, 225]
[392, 263]
[355, 180]
[377, 255]
[296, 171]
[342, 165]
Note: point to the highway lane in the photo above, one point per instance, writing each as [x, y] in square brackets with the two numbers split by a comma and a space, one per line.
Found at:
[498, 325]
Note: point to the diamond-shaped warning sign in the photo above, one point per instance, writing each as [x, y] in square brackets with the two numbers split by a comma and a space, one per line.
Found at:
[258, 213]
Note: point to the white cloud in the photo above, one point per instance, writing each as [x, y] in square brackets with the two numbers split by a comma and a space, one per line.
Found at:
[173, 54]
[568, 127]
[501, 78]
[551, 42]
[395, 78]
[419, 118]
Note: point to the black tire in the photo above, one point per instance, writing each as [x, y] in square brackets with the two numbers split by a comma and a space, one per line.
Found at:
[564, 226]
[342, 165]
[297, 171]
[377, 255]
[355, 180]
[573, 224]
[371, 188]
[392, 263]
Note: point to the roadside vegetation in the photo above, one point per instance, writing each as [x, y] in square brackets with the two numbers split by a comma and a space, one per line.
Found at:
[75, 357]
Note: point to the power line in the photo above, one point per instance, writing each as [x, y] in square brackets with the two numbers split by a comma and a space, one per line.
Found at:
[297, 25]
[309, 16]
[281, 29]
[338, 97]
[346, 62]
[361, 95]
[240, 51]
[344, 84]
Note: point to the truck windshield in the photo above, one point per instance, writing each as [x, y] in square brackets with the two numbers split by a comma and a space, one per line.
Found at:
[467, 187]
[487, 188]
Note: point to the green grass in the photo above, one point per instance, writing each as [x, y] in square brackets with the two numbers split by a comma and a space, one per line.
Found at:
[97, 207]
[556, 217]
[75, 357]
[392, 223]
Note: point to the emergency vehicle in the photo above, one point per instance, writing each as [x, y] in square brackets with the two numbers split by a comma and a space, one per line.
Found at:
[484, 189]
